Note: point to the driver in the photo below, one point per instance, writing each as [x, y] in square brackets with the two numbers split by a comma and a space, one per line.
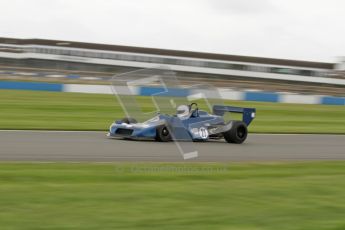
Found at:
[183, 111]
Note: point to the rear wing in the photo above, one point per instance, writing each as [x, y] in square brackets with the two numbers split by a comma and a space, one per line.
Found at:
[248, 113]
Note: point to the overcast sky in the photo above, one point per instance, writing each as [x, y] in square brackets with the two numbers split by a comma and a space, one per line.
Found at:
[291, 29]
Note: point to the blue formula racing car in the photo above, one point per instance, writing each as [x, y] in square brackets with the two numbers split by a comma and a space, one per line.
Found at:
[189, 123]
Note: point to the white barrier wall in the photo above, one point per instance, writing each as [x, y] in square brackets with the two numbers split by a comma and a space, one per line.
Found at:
[228, 94]
[100, 89]
[300, 99]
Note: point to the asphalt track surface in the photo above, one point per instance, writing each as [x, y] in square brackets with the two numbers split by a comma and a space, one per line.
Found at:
[56, 146]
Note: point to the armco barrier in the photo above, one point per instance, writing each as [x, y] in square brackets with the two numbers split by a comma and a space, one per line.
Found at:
[31, 86]
[261, 96]
[172, 92]
[175, 92]
[332, 101]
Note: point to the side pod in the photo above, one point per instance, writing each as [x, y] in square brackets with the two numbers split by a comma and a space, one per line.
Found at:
[248, 113]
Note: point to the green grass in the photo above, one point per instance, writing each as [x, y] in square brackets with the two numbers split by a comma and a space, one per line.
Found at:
[286, 196]
[73, 111]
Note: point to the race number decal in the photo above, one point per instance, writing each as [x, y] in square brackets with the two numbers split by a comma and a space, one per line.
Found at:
[203, 133]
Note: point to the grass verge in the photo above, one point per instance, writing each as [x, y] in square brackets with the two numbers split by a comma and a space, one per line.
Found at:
[75, 111]
[286, 196]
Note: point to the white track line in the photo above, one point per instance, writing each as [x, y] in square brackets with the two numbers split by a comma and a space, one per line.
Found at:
[52, 131]
[82, 131]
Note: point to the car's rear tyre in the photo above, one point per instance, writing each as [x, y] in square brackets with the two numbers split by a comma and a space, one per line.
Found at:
[163, 134]
[129, 120]
[237, 134]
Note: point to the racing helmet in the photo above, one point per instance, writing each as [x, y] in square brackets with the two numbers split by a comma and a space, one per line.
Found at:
[182, 111]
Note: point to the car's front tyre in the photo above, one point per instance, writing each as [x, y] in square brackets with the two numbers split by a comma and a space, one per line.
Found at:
[163, 134]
